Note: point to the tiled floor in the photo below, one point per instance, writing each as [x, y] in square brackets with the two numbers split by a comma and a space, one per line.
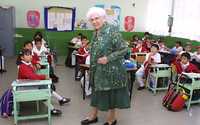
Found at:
[146, 109]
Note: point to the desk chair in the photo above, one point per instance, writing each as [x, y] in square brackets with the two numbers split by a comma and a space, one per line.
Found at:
[45, 70]
[28, 91]
[139, 57]
[190, 82]
[158, 71]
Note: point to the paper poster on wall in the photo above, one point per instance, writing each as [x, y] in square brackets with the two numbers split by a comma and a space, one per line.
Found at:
[33, 18]
[113, 13]
[81, 24]
[129, 23]
[59, 18]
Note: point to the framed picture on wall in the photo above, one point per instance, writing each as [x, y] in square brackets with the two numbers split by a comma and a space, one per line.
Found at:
[59, 18]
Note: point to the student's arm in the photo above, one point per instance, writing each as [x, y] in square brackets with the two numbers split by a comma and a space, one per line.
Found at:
[29, 74]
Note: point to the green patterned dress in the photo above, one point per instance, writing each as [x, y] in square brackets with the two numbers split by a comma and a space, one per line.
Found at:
[109, 81]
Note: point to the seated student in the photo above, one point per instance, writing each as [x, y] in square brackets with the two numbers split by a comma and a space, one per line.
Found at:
[26, 71]
[83, 50]
[177, 48]
[184, 65]
[196, 57]
[164, 52]
[146, 35]
[139, 48]
[32, 75]
[188, 49]
[38, 35]
[151, 58]
[147, 44]
[162, 47]
[35, 58]
[174, 52]
[76, 41]
[42, 51]
[38, 48]
[134, 41]
[81, 55]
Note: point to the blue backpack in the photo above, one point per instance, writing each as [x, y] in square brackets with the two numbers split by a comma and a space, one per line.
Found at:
[6, 103]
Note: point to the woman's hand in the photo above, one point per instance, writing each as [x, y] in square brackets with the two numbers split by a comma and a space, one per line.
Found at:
[102, 60]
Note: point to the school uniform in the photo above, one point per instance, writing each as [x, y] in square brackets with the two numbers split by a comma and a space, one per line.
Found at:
[40, 51]
[35, 58]
[142, 49]
[44, 43]
[196, 59]
[188, 68]
[83, 53]
[26, 71]
[141, 71]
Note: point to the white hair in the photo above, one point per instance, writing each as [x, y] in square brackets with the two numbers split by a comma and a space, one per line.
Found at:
[95, 12]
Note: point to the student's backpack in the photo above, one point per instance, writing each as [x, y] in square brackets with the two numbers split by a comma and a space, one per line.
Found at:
[174, 100]
[6, 103]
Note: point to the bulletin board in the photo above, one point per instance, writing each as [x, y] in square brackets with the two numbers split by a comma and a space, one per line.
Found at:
[59, 18]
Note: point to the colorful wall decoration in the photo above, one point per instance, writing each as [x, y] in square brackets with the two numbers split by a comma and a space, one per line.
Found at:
[113, 13]
[33, 18]
[129, 23]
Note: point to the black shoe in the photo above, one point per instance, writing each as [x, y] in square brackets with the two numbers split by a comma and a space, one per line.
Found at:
[87, 121]
[56, 112]
[113, 123]
[141, 88]
[54, 78]
[64, 100]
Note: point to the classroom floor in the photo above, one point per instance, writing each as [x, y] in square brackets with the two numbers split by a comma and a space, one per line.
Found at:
[146, 109]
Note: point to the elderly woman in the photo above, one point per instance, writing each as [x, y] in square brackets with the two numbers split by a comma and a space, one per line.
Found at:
[107, 75]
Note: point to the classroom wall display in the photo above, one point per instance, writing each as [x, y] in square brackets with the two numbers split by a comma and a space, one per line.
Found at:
[81, 24]
[33, 18]
[113, 13]
[129, 23]
[59, 18]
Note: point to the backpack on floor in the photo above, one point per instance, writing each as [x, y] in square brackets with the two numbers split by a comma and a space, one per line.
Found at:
[174, 100]
[6, 103]
[171, 90]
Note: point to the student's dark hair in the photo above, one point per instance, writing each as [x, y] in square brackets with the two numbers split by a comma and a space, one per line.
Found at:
[38, 34]
[146, 33]
[28, 42]
[37, 40]
[179, 42]
[134, 36]
[83, 37]
[80, 34]
[155, 45]
[187, 55]
[22, 53]
[25, 52]
[160, 41]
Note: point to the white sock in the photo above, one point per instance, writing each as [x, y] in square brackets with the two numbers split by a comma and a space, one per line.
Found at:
[140, 81]
[57, 96]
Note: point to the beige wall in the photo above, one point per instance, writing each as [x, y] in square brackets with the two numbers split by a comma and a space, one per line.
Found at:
[139, 11]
